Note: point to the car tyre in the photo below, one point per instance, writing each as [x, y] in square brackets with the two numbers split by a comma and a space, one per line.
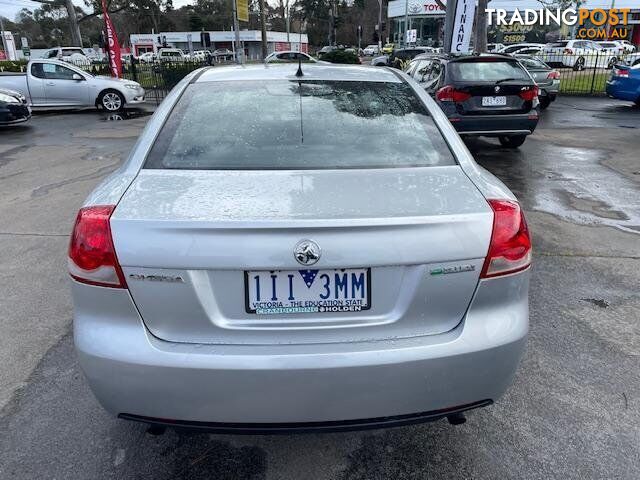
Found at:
[579, 65]
[544, 102]
[111, 100]
[512, 142]
[612, 63]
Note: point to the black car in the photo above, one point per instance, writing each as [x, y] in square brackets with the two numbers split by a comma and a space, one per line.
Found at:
[13, 107]
[485, 95]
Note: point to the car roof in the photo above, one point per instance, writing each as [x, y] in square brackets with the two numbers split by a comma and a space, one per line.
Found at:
[287, 71]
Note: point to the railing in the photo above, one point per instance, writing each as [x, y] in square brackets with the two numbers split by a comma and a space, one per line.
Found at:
[586, 73]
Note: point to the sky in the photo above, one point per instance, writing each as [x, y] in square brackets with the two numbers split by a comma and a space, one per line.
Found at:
[9, 8]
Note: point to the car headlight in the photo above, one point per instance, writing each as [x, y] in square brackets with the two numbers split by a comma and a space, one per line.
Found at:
[9, 98]
[132, 86]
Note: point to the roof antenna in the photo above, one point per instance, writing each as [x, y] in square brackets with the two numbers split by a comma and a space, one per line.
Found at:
[299, 72]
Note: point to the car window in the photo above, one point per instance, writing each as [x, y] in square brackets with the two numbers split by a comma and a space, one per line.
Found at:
[558, 44]
[36, 70]
[487, 71]
[57, 72]
[52, 54]
[310, 124]
[70, 51]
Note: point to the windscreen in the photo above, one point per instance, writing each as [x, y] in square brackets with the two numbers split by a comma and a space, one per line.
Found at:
[532, 63]
[307, 124]
[487, 71]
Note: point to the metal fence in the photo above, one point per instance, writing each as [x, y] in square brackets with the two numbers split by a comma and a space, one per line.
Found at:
[586, 73]
[156, 78]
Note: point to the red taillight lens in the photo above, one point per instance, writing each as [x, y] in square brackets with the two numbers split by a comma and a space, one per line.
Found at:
[620, 72]
[450, 94]
[568, 51]
[529, 94]
[554, 75]
[510, 248]
[92, 258]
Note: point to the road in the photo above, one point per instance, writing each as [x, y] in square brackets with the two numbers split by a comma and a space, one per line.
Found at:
[573, 411]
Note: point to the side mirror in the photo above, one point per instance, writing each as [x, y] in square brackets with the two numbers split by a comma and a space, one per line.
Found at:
[77, 76]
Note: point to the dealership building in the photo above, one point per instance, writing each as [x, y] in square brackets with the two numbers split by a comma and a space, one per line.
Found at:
[427, 17]
[251, 41]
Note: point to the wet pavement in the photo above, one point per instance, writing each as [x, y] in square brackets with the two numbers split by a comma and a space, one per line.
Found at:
[573, 411]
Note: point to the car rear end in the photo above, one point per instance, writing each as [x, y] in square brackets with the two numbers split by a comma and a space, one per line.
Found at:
[288, 278]
[624, 83]
[547, 79]
[489, 96]
[559, 54]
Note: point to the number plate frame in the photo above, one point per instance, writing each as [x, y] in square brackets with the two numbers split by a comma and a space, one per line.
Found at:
[491, 101]
[318, 310]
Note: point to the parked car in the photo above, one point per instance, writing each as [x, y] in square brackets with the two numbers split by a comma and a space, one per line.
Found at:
[239, 282]
[388, 48]
[624, 83]
[13, 107]
[621, 47]
[75, 55]
[631, 59]
[485, 95]
[148, 57]
[518, 47]
[289, 56]
[577, 54]
[223, 54]
[171, 55]
[371, 50]
[547, 79]
[495, 47]
[56, 84]
[400, 57]
[326, 49]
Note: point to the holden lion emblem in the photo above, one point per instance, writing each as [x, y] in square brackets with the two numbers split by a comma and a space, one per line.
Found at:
[307, 252]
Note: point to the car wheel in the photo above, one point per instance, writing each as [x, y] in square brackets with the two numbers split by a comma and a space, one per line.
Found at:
[579, 65]
[544, 102]
[111, 100]
[512, 142]
[612, 63]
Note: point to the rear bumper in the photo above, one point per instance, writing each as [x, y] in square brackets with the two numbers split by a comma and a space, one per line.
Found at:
[623, 89]
[496, 125]
[323, 386]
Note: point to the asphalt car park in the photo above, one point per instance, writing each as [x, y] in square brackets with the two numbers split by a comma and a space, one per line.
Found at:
[573, 411]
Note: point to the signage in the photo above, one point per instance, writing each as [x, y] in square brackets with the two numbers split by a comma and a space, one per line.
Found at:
[396, 8]
[115, 62]
[462, 26]
[412, 36]
[242, 9]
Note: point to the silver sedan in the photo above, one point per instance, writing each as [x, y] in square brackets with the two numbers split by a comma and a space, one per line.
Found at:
[292, 249]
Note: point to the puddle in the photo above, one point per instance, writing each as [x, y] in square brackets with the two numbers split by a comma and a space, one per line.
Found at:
[567, 182]
[125, 115]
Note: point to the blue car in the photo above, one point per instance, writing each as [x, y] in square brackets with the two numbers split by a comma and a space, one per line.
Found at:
[624, 83]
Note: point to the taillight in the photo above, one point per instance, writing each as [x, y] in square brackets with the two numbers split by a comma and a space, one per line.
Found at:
[450, 94]
[568, 51]
[510, 247]
[620, 72]
[92, 258]
[529, 94]
[554, 75]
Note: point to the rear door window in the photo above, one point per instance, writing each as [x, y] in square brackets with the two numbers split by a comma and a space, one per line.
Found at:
[309, 124]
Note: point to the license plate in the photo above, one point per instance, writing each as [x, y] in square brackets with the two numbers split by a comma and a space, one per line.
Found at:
[307, 291]
[494, 101]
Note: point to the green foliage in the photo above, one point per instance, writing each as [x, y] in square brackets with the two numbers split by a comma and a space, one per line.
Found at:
[341, 56]
[13, 65]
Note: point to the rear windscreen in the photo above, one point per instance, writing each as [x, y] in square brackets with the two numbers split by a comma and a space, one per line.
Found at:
[487, 71]
[298, 125]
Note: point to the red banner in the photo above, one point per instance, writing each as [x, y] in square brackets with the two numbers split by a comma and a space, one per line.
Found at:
[115, 62]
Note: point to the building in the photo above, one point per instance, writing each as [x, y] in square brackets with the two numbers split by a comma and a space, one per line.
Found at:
[424, 16]
[427, 17]
[251, 41]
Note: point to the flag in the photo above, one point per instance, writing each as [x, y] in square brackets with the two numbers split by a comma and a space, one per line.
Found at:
[113, 47]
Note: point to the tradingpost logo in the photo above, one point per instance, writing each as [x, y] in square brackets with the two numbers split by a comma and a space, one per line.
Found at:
[595, 24]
